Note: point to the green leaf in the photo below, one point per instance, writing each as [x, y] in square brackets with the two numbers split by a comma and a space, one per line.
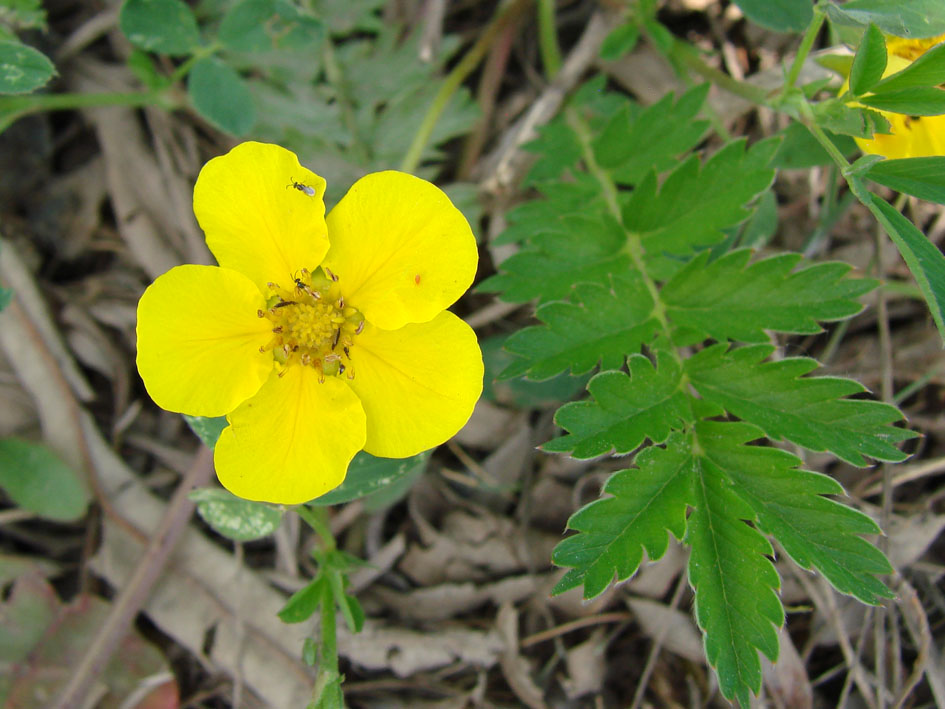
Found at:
[869, 62]
[38, 481]
[728, 299]
[6, 297]
[368, 475]
[161, 26]
[349, 606]
[902, 18]
[522, 393]
[810, 411]
[790, 505]
[647, 502]
[923, 258]
[620, 41]
[920, 177]
[625, 410]
[630, 147]
[557, 148]
[235, 518]
[305, 602]
[839, 117]
[799, 148]
[696, 202]
[22, 15]
[573, 249]
[22, 68]
[208, 430]
[779, 15]
[916, 101]
[926, 71]
[264, 25]
[735, 583]
[604, 325]
[220, 95]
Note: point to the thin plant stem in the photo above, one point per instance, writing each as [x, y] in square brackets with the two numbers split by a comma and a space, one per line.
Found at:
[689, 56]
[13, 108]
[316, 519]
[548, 38]
[509, 13]
[807, 43]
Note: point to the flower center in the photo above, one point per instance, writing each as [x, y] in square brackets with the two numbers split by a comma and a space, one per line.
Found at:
[312, 324]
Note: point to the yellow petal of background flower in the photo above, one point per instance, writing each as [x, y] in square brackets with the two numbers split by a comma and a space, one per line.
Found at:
[418, 384]
[402, 250]
[911, 137]
[292, 441]
[255, 220]
[199, 339]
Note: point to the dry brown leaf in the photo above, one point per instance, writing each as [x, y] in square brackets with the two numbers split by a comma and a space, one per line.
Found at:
[587, 666]
[675, 629]
[786, 680]
[516, 668]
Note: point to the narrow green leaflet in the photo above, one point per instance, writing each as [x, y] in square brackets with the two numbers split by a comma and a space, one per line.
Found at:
[620, 41]
[603, 325]
[728, 299]
[869, 62]
[810, 411]
[632, 146]
[235, 518]
[779, 15]
[915, 101]
[581, 248]
[648, 502]
[557, 148]
[162, 26]
[38, 481]
[624, 411]
[22, 68]
[696, 202]
[925, 261]
[925, 72]
[790, 505]
[221, 96]
[903, 18]
[920, 177]
[304, 602]
[736, 584]
[839, 117]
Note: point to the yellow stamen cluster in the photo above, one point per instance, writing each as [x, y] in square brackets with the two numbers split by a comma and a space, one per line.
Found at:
[312, 324]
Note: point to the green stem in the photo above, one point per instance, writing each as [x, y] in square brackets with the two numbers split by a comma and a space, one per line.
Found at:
[327, 689]
[185, 67]
[14, 107]
[810, 121]
[689, 56]
[317, 519]
[807, 44]
[507, 14]
[548, 38]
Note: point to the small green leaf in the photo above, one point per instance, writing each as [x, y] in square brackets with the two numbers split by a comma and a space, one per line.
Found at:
[869, 62]
[221, 96]
[161, 26]
[799, 148]
[620, 41]
[208, 430]
[264, 25]
[38, 481]
[142, 66]
[368, 475]
[309, 651]
[22, 68]
[779, 15]
[920, 177]
[839, 117]
[235, 518]
[923, 258]
[6, 297]
[22, 15]
[903, 18]
[306, 601]
[915, 101]
[349, 606]
[926, 71]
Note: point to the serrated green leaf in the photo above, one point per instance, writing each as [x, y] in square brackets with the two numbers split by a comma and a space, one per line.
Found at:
[696, 202]
[648, 502]
[586, 248]
[762, 224]
[869, 63]
[162, 26]
[927, 70]
[924, 259]
[620, 41]
[219, 94]
[728, 299]
[368, 475]
[790, 505]
[735, 584]
[839, 117]
[779, 15]
[915, 101]
[22, 68]
[521, 392]
[235, 518]
[632, 146]
[625, 410]
[920, 177]
[810, 411]
[306, 601]
[564, 199]
[902, 18]
[604, 325]
[557, 147]
[38, 481]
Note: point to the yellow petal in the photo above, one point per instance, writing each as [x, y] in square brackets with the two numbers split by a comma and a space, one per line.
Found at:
[199, 339]
[402, 250]
[292, 442]
[911, 137]
[256, 221]
[418, 384]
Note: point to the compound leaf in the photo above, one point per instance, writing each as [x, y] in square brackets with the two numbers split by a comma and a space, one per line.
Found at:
[727, 299]
[810, 411]
[647, 502]
[625, 410]
[790, 505]
[604, 325]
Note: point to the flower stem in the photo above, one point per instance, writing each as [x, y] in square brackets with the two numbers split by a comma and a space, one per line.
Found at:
[689, 56]
[15, 107]
[548, 38]
[810, 35]
[507, 14]
[316, 518]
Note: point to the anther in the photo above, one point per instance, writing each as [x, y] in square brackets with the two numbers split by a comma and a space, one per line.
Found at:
[334, 342]
[341, 303]
[331, 275]
[277, 330]
[260, 313]
[341, 369]
[360, 328]
[347, 354]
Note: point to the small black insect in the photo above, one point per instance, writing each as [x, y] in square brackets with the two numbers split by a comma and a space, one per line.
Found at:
[310, 191]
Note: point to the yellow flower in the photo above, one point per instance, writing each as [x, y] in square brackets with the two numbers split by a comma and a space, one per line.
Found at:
[909, 136]
[316, 337]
